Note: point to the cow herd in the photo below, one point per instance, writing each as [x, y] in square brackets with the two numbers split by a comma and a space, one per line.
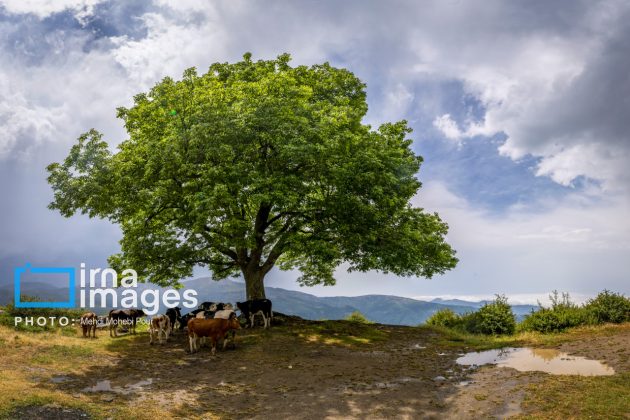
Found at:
[210, 321]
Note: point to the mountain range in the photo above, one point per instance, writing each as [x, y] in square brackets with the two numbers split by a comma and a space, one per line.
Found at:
[383, 309]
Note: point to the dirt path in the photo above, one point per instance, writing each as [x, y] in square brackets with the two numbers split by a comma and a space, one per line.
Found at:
[499, 392]
[285, 374]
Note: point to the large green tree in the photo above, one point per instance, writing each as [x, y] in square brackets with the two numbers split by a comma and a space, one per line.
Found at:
[254, 165]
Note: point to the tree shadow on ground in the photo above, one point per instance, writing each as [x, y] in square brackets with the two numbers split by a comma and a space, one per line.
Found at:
[298, 368]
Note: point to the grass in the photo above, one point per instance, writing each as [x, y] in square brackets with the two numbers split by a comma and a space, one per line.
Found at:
[479, 342]
[31, 357]
[341, 333]
[557, 396]
[568, 397]
[28, 361]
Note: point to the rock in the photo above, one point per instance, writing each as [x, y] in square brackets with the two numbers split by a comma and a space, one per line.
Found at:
[107, 398]
[439, 378]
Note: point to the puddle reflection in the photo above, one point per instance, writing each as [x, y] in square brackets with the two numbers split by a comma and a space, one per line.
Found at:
[106, 386]
[541, 360]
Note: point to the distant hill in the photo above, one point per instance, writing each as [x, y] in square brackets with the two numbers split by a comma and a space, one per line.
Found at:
[459, 302]
[519, 310]
[41, 290]
[383, 309]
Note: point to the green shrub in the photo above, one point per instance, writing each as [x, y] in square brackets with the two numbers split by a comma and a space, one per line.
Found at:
[546, 320]
[561, 315]
[470, 322]
[357, 316]
[444, 318]
[45, 312]
[8, 318]
[609, 307]
[495, 317]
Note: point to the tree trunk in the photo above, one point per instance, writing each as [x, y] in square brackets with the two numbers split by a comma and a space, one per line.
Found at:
[254, 284]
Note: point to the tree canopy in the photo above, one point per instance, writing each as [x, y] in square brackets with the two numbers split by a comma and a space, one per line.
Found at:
[252, 165]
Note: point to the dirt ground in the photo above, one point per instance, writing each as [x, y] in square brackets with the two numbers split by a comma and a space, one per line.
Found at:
[402, 373]
[499, 392]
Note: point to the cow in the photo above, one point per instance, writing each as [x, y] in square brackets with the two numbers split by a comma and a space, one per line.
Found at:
[123, 316]
[160, 324]
[195, 312]
[223, 314]
[227, 314]
[204, 315]
[174, 315]
[214, 329]
[183, 322]
[205, 306]
[89, 320]
[214, 306]
[254, 307]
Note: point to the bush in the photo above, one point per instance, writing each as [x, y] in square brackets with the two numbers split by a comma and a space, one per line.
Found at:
[8, 317]
[609, 307]
[357, 316]
[470, 322]
[495, 317]
[561, 315]
[444, 318]
[549, 320]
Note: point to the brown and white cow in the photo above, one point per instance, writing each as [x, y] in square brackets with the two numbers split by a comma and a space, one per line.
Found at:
[160, 324]
[89, 320]
[214, 329]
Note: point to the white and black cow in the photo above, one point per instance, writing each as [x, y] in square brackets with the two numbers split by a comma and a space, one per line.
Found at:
[205, 306]
[160, 324]
[205, 314]
[254, 307]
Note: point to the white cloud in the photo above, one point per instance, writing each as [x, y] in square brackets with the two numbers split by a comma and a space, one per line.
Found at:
[587, 224]
[169, 48]
[448, 127]
[570, 244]
[551, 76]
[513, 298]
[557, 93]
[45, 8]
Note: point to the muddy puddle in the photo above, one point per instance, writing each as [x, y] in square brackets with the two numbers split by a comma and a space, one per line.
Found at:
[106, 386]
[539, 360]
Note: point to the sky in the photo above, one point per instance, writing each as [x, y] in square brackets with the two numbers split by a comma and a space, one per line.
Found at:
[521, 111]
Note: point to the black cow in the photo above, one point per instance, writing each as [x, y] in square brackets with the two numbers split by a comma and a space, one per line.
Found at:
[195, 312]
[128, 317]
[173, 315]
[205, 306]
[255, 307]
[183, 321]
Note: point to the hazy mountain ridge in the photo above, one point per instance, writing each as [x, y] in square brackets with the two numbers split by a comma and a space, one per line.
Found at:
[384, 309]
